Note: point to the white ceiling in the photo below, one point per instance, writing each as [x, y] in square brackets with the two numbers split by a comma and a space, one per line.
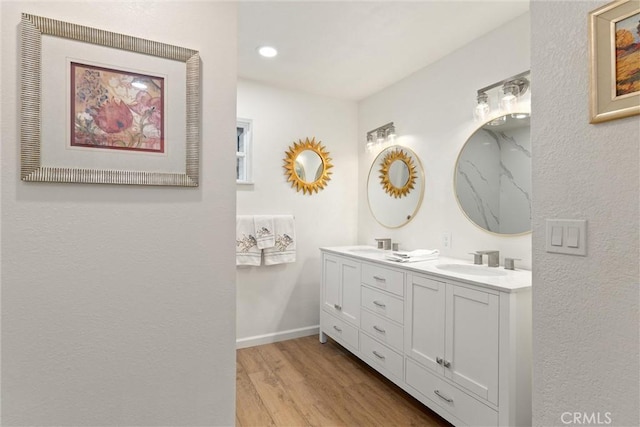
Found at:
[352, 49]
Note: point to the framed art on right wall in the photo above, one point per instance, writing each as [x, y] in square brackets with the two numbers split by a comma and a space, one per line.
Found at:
[614, 46]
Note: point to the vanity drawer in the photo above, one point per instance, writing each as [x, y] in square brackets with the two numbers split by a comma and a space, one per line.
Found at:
[383, 304]
[467, 409]
[382, 329]
[381, 357]
[342, 332]
[383, 278]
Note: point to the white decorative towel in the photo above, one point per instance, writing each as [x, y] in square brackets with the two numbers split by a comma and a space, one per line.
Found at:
[284, 249]
[247, 252]
[414, 256]
[265, 236]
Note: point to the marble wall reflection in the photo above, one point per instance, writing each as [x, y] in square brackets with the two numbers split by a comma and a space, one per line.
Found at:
[493, 177]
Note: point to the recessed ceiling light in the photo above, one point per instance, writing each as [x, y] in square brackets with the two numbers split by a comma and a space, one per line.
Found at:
[267, 51]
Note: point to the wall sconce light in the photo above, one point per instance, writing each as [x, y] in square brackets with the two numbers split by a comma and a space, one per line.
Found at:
[377, 136]
[510, 91]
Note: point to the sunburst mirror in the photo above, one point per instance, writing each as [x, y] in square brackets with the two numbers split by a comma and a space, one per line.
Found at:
[307, 165]
[398, 173]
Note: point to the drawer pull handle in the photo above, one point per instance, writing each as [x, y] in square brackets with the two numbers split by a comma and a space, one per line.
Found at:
[382, 279]
[446, 364]
[337, 306]
[378, 355]
[439, 360]
[379, 304]
[448, 400]
[382, 331]
[336, 328]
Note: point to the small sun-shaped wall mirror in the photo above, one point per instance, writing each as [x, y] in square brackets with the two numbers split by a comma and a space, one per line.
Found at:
[307, 165]
[398, 173]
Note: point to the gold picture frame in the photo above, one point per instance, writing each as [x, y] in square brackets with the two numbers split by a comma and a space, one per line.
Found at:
[310, 158]
[614, 35]
[48, 51]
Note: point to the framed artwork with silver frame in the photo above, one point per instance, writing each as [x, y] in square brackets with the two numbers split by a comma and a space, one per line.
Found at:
[99, 107]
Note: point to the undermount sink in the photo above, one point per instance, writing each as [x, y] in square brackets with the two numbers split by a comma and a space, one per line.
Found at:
[365, 250]
[472, 269]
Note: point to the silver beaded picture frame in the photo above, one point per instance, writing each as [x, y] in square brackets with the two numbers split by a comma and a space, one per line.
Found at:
[49, 48]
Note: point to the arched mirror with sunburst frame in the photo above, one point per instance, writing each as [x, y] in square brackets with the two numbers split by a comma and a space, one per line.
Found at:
[307, 165]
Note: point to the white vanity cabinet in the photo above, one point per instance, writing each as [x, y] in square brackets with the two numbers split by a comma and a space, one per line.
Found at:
[459, 344]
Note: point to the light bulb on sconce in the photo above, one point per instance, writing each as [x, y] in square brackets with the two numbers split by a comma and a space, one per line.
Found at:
[510, 96]
[380, 137]
[482, 108]
[391, 133]
[370, 142]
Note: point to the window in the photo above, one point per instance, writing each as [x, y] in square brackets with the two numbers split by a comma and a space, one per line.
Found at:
[243, 151]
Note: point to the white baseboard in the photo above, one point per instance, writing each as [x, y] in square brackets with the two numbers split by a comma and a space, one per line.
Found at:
[277, 336]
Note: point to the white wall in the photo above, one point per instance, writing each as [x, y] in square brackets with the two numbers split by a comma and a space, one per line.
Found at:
[432, 111]
[275, 299]
[585, 330]
[118, 302]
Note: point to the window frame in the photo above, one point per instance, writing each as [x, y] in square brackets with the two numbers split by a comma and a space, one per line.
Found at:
[247, 126]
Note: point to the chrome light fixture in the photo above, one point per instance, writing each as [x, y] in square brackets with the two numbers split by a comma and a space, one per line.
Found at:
[508, 92]
[380, 135]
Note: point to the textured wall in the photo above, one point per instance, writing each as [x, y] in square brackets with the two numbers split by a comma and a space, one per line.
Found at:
[118, 303]
[585, 309]
[279, 298]
[433, 113]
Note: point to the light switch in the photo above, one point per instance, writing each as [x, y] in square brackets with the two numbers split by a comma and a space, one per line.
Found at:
[566, 236]
[573, 236]
[556, 236]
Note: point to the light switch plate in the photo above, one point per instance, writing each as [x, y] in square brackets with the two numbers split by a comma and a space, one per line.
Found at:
[446, 240]
[570, 233]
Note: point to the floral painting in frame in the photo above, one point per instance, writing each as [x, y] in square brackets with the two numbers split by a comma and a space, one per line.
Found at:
[116, 110]
[614, 33]
[98, 107]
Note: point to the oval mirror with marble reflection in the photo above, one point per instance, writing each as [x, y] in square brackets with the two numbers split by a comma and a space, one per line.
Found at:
[493, 175]
[396, 200]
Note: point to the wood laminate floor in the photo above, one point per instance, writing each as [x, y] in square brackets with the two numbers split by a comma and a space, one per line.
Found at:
[304, 383]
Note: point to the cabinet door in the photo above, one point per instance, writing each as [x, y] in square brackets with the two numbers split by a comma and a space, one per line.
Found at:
[425, 322]
[341, 288]
[330, 282]
[472, 340]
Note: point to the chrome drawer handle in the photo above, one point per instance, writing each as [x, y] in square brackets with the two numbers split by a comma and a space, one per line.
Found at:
[336, 328]
[439, 360]
[379, 304]
[382, 331]
[446, 364]
[437, 392]
[378, 355]
[337, 307]
[382, 279]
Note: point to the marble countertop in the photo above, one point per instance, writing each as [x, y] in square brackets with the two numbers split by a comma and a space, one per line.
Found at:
[447, 268]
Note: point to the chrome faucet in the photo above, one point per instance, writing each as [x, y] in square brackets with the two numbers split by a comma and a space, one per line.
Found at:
[493, 258]
[477, 257]
[384, 244]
